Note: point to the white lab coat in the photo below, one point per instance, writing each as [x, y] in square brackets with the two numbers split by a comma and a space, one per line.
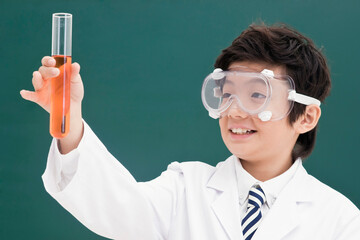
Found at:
[190, 200]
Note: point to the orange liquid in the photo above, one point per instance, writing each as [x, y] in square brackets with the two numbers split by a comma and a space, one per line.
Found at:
[60, 98]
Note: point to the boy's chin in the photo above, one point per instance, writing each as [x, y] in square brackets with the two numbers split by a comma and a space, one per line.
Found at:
[245, 156]
[239, 152]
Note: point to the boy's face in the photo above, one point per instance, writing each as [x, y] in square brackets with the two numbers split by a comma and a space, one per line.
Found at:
[269, 141]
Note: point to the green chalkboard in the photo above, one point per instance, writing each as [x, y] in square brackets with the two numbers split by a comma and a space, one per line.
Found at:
[142, 64]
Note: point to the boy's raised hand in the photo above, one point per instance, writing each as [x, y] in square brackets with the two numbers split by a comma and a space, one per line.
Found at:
[41, 83]
[42, 94]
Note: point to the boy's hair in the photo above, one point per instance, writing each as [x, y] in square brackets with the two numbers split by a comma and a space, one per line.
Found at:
[280, 45]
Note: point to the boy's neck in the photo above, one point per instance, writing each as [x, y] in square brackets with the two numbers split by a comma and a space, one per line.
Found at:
[266, 170]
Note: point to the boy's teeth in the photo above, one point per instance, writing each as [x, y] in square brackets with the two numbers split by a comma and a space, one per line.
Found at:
[240, 131]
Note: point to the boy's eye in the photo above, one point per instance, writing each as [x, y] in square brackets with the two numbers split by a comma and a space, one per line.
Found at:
[226, 95]
[257, 95]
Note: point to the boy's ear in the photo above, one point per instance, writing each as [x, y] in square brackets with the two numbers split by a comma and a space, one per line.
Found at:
[308, 120]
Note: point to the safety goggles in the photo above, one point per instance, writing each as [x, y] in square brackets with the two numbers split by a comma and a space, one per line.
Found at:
[264, 95]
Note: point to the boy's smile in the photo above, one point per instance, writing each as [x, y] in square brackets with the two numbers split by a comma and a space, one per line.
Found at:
[240, 132]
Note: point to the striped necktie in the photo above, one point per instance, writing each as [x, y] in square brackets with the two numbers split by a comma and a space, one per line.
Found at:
[252, 217]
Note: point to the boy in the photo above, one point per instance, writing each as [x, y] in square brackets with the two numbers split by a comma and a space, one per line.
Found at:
[266, 90]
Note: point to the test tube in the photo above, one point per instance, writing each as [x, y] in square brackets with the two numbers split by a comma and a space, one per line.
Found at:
[60, 85]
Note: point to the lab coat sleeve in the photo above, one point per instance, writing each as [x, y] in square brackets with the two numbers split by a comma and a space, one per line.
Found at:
[95, 188]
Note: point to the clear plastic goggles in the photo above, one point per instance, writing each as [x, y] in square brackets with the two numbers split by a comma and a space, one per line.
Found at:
[263, 95]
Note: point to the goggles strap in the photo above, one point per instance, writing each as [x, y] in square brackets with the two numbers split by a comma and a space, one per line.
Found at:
[303, 99]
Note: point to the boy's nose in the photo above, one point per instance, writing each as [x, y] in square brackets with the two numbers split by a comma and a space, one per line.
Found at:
[235, 111]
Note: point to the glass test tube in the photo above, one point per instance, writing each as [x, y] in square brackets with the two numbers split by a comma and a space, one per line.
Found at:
[60, 85]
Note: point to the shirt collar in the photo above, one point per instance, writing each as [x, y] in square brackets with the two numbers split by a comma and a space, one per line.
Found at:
[272, 187]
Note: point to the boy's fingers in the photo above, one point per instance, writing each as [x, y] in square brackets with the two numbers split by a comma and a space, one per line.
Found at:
[37, 81]
[75, 70]
[49, 72]
[28, 95]
[48, 61]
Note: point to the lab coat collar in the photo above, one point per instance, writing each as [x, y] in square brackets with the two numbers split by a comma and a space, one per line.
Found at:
[284, 211]
[226, 206]
[246, 180]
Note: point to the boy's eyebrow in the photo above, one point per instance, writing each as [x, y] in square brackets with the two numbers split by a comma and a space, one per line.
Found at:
[257, 80]
[228, 81]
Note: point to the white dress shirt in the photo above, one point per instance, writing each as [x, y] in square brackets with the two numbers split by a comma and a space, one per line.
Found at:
[271, 188]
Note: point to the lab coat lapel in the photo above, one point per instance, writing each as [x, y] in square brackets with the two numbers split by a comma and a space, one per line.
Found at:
[282, 218]
[226, 204]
